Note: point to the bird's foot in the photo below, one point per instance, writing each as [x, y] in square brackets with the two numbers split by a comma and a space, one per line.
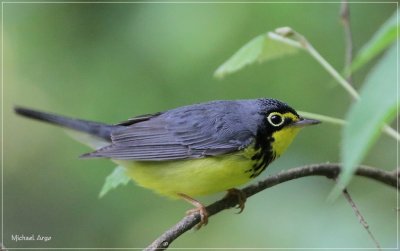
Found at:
[241, 197]
[200, 209]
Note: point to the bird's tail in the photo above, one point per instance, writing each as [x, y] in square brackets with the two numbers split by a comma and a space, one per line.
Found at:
[97, 129]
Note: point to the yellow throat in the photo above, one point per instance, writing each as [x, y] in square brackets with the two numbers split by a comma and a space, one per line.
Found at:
[282, 139]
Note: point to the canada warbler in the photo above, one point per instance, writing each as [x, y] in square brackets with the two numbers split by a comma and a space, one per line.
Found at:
[193, 150]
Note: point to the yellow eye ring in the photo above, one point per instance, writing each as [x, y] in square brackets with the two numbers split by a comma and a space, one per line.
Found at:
[275, 119]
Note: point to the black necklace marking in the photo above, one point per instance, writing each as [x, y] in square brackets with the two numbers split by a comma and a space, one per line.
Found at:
[264, 154]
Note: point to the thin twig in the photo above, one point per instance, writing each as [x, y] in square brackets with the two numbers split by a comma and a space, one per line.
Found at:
[299, 41]
[348, 37]
[326, 169]
[361, 218]
[323, 118]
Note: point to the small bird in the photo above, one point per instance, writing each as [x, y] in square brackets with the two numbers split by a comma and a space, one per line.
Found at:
[193, 150]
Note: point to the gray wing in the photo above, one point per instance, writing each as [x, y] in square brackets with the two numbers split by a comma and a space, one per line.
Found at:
[188, 132]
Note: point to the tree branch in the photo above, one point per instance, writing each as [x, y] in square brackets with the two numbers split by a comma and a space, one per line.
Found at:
[329, 170]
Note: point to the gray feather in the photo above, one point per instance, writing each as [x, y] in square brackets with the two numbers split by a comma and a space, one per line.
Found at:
[195, 131]
[97, 129]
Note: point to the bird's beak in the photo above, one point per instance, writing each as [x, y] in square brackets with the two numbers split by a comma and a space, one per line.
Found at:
[305, 122]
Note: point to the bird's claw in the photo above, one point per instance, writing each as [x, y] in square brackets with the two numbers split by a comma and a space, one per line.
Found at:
[203, 216]
[200, 208]
[241, 197]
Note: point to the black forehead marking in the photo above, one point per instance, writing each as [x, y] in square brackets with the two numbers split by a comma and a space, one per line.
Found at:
[274, 105]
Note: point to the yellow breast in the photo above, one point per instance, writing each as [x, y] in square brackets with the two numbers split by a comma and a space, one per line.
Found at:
[202, 176]
[192, 177]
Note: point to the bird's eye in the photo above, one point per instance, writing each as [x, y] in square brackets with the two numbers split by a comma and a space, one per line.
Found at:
[275, 119]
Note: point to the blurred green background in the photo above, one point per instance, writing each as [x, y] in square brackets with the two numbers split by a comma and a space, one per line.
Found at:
[109, 62]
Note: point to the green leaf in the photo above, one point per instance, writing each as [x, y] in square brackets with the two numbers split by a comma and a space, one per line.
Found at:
[382, 39]
[116, 178]
[377, 105]
[259, 49]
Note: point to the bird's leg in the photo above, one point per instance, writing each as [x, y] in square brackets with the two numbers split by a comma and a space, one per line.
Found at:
[200, 208]
[240, 196]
